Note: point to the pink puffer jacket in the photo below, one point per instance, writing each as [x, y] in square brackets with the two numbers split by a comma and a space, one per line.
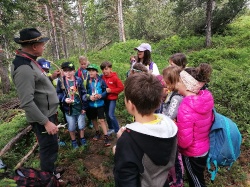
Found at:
[194, 121]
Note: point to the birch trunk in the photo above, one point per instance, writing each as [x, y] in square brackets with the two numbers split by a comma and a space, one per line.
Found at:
[121, 23]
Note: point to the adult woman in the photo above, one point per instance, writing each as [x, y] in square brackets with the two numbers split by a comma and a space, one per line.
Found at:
[144, 57]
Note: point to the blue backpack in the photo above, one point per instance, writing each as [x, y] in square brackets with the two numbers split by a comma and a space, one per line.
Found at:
[225, 142]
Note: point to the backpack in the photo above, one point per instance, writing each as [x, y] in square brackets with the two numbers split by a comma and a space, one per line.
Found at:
[31, 177]
[225, 142]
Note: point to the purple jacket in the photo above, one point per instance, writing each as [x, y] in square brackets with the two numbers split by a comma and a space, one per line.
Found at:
[194, 121]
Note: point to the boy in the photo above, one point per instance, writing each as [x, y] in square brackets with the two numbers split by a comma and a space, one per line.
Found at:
[96, 89]
[146, 149]
[74, 102]
[82, 71]
[114, 87]
[45, 65]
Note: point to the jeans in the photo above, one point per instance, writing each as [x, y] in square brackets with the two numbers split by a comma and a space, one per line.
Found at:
[48, 145]
[72, 122]
[110, 115]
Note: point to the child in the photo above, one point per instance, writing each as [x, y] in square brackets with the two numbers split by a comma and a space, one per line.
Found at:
[82, 71]
[74, 102]
[194, 120]
[114, 87]
[132, 61]
[178, 59]
[170, 108]
[146, 149]
[96, 89]
[137, 68]
[45, 65]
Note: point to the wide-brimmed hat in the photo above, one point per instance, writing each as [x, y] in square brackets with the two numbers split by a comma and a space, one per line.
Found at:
[68, 65]
[30, 35]
[143, 47]
[92, 66]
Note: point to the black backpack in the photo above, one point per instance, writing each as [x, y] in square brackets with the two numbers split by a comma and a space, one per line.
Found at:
[31, 177]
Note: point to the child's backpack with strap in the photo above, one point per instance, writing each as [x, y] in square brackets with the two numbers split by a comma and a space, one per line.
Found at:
[225, 142]
[31, 177]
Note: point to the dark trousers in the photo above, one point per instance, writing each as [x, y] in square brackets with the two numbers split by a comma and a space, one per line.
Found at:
[195, 167]
[48, 146]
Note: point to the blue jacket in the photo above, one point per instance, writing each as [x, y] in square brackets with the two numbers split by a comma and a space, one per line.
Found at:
[100, 88]
[63, 94]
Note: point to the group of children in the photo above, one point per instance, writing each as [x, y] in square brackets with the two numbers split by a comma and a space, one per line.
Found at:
[85, 93]
[153, 149]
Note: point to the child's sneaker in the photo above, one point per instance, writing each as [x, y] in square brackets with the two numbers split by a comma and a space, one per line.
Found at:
[110, 131]
[74, 144]
[106, 141]
[97, 136]
[83, 141]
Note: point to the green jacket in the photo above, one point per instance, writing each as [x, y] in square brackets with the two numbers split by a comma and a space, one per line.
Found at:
[36, 93]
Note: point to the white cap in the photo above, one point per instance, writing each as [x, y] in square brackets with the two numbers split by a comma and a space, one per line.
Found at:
[143, 47]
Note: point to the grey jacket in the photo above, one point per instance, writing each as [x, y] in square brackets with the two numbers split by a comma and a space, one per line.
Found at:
[36, 93]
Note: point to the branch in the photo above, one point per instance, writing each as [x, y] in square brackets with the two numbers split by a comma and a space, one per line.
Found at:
[14, 140]
[26, 156]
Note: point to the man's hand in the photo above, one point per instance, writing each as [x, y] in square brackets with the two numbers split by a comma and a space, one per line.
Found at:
[51, 128]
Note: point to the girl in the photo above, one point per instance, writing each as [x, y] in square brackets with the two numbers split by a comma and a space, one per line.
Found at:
[170, 108]
[194, 120]
[144, 57]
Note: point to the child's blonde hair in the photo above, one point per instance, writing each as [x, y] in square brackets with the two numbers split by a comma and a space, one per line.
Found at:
[83, 58]
[171, 76]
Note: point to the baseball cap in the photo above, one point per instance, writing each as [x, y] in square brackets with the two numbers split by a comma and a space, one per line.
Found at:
[69, 65]
[143, 47]
[92, 66]
[45, 64]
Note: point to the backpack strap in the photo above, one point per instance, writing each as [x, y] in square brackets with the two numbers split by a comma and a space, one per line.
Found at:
[212, 172]
[151, 66]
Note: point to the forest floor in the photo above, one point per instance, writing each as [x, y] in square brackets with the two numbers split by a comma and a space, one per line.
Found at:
[92, 166]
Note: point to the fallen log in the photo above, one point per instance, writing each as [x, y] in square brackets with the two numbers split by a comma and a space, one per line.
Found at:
[14, 140]
[26, 156]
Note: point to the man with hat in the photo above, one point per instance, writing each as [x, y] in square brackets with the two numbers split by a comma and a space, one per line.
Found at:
[37, 95]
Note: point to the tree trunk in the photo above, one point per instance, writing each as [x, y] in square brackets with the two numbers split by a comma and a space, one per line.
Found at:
[54, 34]
[209, 23]
[84, 40]
[4, 73]
[121, 23]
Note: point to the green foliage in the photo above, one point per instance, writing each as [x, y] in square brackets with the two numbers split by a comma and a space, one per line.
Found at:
[11, 129]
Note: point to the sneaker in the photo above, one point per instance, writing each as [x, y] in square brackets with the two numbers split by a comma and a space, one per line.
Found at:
[58, 173]
[97, 136]
[106, 141]
[75, 145]
[83, 141]
[61, 143]
[110, 131]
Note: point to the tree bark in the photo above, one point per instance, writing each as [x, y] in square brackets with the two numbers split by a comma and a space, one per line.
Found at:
[4, 73]
[84, 40]
[121, 23]
[54, 34]
[209, 11]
